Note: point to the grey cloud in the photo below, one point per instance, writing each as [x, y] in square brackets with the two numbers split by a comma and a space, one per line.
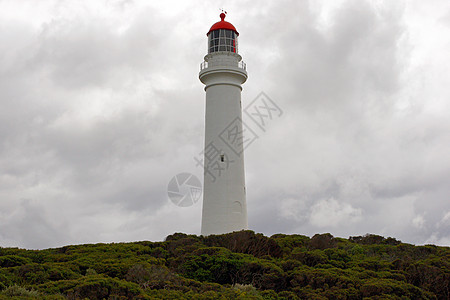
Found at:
[98, 113]
[31, 226]
[81, 53]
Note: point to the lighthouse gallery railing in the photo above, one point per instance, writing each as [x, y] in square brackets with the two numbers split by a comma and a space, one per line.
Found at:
[224, 63]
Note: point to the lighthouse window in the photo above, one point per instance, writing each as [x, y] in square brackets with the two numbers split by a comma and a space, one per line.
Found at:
[222, 157]
[222, 40]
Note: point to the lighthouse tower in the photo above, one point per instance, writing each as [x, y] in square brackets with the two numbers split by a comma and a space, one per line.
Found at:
[223, 72]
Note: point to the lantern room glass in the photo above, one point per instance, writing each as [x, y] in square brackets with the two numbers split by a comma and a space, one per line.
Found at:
[222, 40]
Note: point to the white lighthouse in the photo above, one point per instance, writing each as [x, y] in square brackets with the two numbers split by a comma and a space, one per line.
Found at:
[223, 72]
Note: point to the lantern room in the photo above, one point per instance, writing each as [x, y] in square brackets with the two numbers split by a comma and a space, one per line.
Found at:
[222, 37]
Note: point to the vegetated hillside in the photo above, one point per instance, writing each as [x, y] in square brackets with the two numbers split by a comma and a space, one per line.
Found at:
[239, 265]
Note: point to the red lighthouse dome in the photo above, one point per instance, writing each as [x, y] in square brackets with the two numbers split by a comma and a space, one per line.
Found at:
[222, 37]
[222, 24]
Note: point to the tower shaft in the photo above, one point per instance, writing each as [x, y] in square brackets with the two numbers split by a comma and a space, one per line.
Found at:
[224, 200]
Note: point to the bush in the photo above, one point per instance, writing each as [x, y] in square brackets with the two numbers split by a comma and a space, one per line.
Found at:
[92, 287]
[309, 258]
[322, 241]
[239, 265]
[9, 261]
[18, 291]
[91, 272]
[370, 239]
[245, 241]
[247, 288]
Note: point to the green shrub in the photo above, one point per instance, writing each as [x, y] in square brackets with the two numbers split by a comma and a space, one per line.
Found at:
[240, 265]
[8, 261]
[245, 241]
[91, 272]
[309, 258]
[322, 241]
[247, 288]
[18, 291]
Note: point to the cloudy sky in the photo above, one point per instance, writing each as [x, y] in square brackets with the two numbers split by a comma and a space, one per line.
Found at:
[100, 106]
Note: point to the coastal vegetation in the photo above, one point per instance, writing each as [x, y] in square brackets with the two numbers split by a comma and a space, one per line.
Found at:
[239, 265]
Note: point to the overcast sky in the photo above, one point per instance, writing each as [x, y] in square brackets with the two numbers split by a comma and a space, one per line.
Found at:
[100, 106]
